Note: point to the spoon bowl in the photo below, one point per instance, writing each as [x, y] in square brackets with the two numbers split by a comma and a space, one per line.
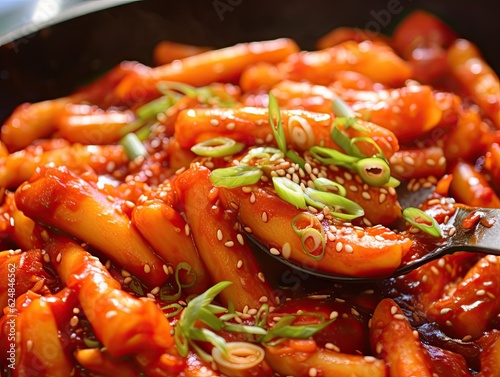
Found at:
[469, 229]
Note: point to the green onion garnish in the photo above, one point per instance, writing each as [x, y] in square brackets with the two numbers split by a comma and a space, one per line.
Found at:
[189, 272]
[421, 220]
[156, 106]
[325, 184]
[313, 241]
[335, 203]
[328, 156]
[218, 147]
[342, 109]
[393, 182]
[264, 155]
[276, 123]
[285, 329]
[235, 176]
[295, 158]
[304, 221]
[133, 146]
[289, 191]
[374, 171]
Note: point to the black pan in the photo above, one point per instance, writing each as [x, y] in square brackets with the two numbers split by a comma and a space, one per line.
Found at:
[53, 61]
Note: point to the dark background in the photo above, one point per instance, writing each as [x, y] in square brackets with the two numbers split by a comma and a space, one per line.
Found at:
[53, 61]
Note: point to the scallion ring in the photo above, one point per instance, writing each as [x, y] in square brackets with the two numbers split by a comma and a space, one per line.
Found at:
[365, 139]
[236, 176]
[133, 146]
[422, 221]
[218, 147]
[313, 243]
[304, 221]
[335, 203]
[264, 155]
[393, 182]
[342, 109]
[374, 171]
[295, 158]
[240, 356]
[289, 191]
[325, 184]
[276, 123]
[328, 156]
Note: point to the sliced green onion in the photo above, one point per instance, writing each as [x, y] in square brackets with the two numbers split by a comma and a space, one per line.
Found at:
[284, 329]
[91, 343]
[188, 90]
[334, 202]
[289, 191]
[374, 171]
[393, 182]
[177, 309]
[235, 176]
[153, 108]
[218, 147]
[295, 158]
[341, 139]
[133, 146]
[189, 271]
[313, 241]
[276, 123]
[265, 155]
[325, 184]
[240, 357]
[342, 109]
[328, 156]
[422, 221]
[304, 221]
[365, 139]
[136, 286]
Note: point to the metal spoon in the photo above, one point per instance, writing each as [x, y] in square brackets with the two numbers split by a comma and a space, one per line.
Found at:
[483, 237]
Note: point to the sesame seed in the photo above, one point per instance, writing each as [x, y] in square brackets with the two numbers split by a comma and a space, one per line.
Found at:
[274, 251]
[165, 269]
[332, 347]
[264, 217]
[445, 311]
[379, 348]
[466, 338]
[263, 299]
[334, 314]
[441, 263]
[187, 230]
[111, 314]
[261, 277]
[379, 238]
[370, 359]
[434, 270]
[392, 191]
[394, 309]
[214, 122]
[381, 198]
[252, 198]
[231, 126]
[229, 244]
[339, 246]
[240, 239]
[46, 258]
[340, 180]
[366, 195]
[481, 292]
[442, 160]
[247, 229]
[73, 321]
[448, 323]
[348, 248]
[29, 345]
[313, 372]
[239, 264]
[353, 188]
[354, 312]
[127, 280]
[452, 231]
[252, 311]
[147, 269]
[399, 316]
[408, 160]
[348, 176]
[219, 234]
